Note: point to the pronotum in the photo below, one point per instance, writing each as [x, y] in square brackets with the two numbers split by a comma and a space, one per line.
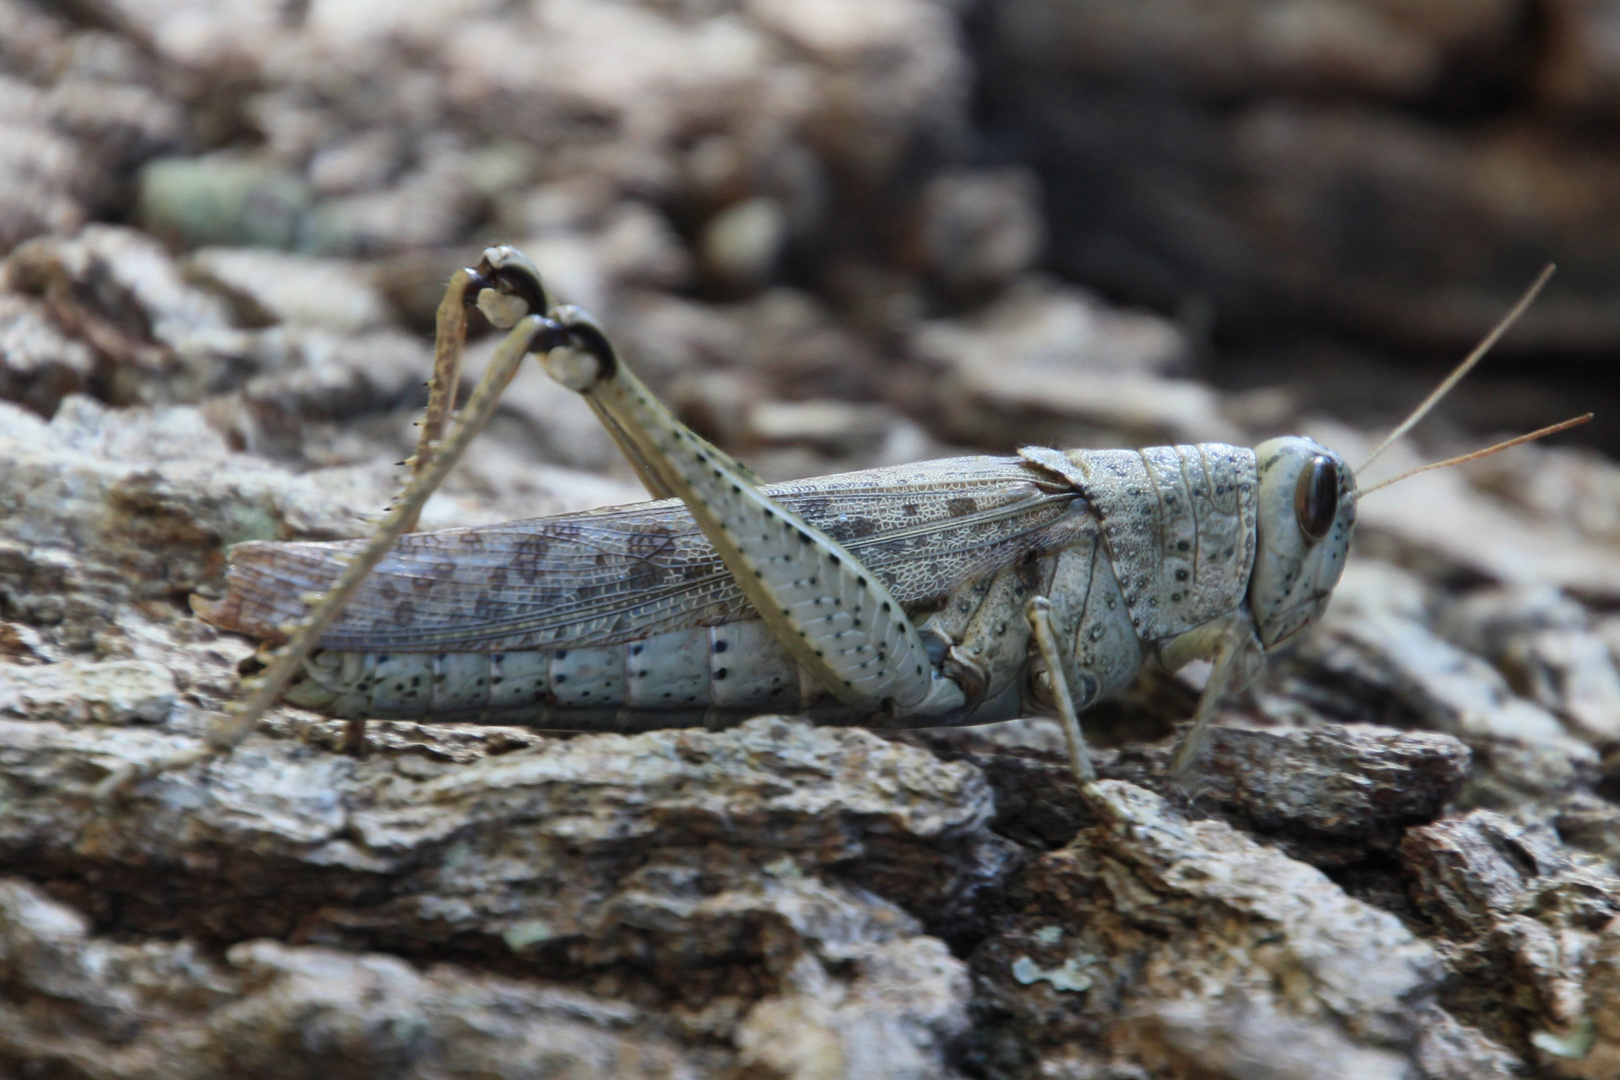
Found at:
[952, 592]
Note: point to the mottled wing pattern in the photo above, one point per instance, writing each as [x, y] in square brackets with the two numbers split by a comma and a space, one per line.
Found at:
[623, 573]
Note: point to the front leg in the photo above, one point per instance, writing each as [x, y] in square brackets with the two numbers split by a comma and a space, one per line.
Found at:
[832, 614]
[1237, 659]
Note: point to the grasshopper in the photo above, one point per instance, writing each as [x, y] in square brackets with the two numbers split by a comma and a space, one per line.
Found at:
[954, 592]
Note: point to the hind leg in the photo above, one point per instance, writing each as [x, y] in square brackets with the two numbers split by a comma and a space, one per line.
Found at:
[833, 615]
[431, 464]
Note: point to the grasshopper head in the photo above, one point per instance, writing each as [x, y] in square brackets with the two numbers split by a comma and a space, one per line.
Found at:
[1307, 510]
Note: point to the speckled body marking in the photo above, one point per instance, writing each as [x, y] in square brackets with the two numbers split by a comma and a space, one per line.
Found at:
[702, 674]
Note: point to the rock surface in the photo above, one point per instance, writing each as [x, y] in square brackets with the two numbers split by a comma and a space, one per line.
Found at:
[84, 1005]
[225, 228]
[1118, 938]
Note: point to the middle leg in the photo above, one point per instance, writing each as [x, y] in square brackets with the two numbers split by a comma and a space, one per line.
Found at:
[1039, 613]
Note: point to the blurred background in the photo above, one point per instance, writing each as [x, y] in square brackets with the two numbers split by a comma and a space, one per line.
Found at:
[834, 233]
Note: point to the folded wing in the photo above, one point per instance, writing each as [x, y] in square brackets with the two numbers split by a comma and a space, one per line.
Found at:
[623, 573]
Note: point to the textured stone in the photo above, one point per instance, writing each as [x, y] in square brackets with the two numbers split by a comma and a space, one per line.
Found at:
[1473, 869]
[157, 337]
[78, 114]
[329, 293]
[1050, 365]
[1330, 795]
[852, 795]
[89, 1006]
[1351, 783]
[1447, 689]
[39, 365]
[1145, 901]
[1532, 929]
[735, 877]
[75, 692]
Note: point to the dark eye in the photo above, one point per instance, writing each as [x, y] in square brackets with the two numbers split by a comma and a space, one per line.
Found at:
[1316, 498]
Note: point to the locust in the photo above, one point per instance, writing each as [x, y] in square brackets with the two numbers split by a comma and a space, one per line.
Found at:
[962, 591]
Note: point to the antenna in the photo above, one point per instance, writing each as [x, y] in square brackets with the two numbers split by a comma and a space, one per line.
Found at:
[1464, 368]
[1551, 429]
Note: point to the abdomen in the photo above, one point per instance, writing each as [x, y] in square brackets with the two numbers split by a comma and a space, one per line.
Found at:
[698, 675]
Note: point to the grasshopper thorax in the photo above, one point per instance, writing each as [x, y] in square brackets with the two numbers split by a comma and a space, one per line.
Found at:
[1306, 513]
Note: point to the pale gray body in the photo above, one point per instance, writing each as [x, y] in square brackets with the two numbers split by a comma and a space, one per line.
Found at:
[626, 619]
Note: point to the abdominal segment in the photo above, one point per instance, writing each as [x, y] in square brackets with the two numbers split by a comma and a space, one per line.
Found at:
[695, 676]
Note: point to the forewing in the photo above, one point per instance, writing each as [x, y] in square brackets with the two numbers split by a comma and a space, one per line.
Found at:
[618, 574]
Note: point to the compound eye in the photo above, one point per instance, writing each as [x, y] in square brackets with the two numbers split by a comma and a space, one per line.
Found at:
[1316, 498]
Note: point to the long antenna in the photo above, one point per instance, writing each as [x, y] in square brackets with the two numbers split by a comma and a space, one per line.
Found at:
[1551, 429]
[1463, 368]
